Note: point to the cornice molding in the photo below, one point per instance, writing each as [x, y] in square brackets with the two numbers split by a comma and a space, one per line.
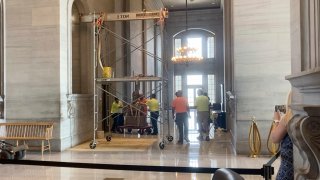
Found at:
[306, 81]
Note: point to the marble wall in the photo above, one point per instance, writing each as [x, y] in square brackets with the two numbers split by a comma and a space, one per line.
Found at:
[32, 60]
[261, 57]
[121, 65]
[136, 38]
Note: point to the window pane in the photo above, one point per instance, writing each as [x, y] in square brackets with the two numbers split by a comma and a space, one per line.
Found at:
[191, 121]
[178, 83]
[210, 46]
[191, 96]
[195, 43]
[211, 88]
[177, 45]
[194, 80]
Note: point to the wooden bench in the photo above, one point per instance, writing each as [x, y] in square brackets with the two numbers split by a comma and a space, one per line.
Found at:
[23, 131]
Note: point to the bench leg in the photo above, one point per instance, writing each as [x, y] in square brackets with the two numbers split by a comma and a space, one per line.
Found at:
[42, 147]
[49, 146]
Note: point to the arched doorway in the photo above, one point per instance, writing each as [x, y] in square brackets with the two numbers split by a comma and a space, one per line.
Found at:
[80, 77]
[81, 63]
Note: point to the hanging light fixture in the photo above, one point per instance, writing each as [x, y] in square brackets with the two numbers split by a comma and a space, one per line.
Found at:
[186, 54]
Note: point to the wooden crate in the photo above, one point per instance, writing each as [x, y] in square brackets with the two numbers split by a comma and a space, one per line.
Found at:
[137, 121]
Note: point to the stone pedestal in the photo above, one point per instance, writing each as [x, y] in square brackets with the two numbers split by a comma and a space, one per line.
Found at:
[305, 134]
[304, 128]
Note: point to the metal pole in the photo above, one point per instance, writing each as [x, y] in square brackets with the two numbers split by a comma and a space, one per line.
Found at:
[164, 88]
[162, 83]
[94, 78]
[222, 97]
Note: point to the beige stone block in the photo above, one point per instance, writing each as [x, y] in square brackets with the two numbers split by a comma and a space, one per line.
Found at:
[45, 16]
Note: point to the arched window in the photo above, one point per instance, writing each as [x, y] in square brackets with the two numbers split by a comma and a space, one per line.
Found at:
[210, 47]
[203, 40]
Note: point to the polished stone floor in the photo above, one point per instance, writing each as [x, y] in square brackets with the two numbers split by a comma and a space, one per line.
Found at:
[216, 153]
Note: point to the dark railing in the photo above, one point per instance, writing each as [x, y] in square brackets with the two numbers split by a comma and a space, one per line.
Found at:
[266, 171]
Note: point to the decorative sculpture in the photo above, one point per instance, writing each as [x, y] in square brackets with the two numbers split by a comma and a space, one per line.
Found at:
[254, 139]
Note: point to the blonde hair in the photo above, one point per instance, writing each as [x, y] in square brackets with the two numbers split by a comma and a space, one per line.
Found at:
[288, 116]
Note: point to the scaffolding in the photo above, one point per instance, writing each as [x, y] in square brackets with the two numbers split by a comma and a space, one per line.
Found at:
[97, 20]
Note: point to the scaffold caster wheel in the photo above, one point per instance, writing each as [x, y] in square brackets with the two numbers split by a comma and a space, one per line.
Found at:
[93, 145]
[20, 154]
[120, 130]
[141, 131]
[161, 145]
[170, 138]
[148, 131]
[108, 138]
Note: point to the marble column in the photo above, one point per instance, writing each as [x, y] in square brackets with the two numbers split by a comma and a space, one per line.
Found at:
[305, 80]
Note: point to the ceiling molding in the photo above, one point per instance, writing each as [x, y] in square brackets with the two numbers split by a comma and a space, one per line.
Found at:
[176, 5]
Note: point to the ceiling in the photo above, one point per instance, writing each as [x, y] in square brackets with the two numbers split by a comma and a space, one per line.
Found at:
[176, 5]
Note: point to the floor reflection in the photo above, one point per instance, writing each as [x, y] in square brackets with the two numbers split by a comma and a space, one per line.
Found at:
[216, 153]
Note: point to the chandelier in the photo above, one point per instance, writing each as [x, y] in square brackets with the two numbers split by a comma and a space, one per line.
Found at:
[186, 54]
